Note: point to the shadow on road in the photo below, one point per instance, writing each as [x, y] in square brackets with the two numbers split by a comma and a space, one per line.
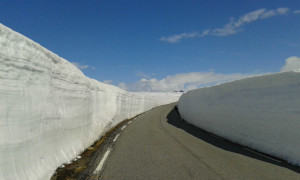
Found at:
[174, 119]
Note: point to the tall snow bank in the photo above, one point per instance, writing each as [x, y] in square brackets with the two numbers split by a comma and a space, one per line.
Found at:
[50, 112]
[260, 112]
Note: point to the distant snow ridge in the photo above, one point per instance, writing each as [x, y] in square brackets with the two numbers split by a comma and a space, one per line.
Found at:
[260, 112]
[50, 112]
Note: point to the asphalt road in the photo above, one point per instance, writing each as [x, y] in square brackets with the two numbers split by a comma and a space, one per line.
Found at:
[159, 145]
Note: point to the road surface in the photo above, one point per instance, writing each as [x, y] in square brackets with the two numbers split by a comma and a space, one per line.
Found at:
[159, 145]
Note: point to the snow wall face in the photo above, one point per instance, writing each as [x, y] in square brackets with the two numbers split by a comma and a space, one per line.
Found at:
[50, 112]
[260, 112]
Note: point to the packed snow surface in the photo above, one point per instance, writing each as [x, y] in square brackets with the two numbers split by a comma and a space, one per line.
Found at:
[50, 111]
[262, 113]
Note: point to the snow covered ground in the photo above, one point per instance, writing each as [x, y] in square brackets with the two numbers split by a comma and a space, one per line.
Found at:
[50, 111]
[260, 112]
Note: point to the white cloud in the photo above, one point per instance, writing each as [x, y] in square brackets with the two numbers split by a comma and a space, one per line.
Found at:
[193, 80]
[184, 81]
[232, 27]
[80, 66]
[291, 64]
[205, 32]
[252, 16]
[176, 38]
[228, 29]
[268, 14]
[282, 10]
[296, 11]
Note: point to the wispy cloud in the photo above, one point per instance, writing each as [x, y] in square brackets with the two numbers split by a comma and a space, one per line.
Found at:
[178, 37]
[184, 81]
[296, 11]
[291, 44]
[291, 64]
[144, 74]
[232, 27]
[81, 66]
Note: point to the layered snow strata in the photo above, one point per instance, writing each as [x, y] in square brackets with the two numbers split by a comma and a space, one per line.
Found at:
[50, 112]
[260, 112]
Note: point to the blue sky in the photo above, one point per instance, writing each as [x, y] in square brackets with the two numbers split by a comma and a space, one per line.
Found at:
[163, 45]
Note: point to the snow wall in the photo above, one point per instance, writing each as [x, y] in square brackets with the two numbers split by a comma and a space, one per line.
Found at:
[50, 112]
[262, 113]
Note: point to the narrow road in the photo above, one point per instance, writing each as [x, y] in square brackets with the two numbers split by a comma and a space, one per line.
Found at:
[159, 145]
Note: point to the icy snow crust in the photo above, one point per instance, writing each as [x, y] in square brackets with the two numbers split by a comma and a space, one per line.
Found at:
[260, 112]
[50, 112]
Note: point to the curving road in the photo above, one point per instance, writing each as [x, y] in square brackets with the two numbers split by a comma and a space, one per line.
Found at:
[159, 145]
